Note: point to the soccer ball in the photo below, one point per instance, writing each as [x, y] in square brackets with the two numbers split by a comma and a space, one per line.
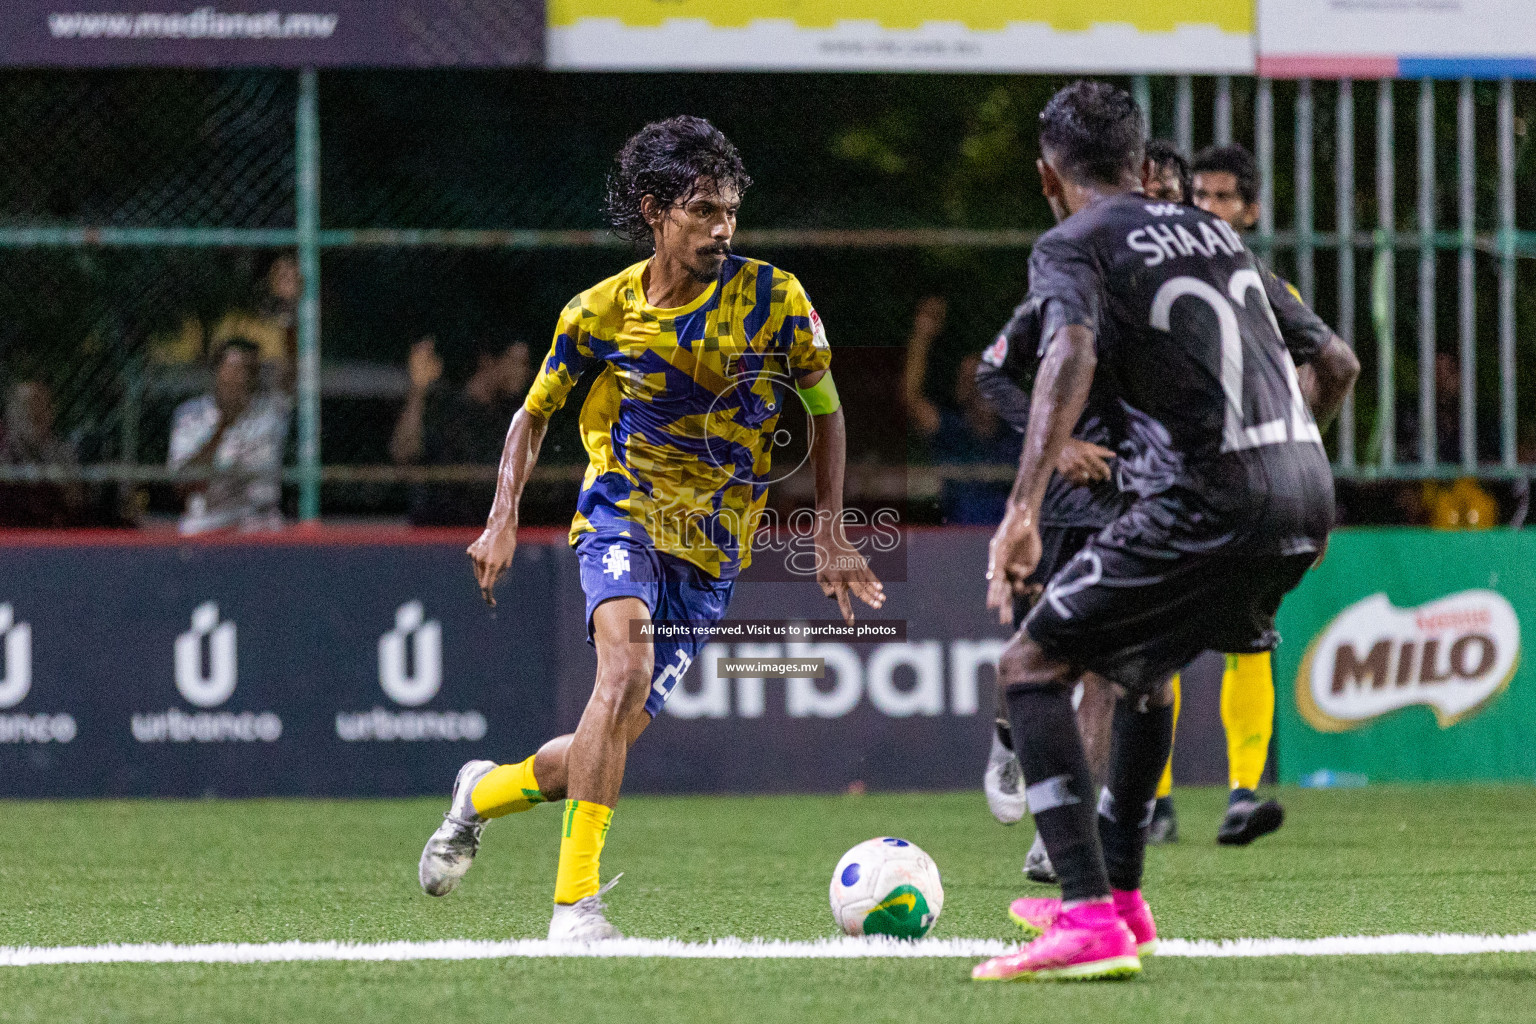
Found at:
[886, 886]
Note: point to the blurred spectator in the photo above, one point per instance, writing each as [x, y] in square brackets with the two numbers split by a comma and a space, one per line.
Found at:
[271, 325]
[1463, 504]
[1168, 178]
[1447, 420]
[466, 427]
[237, 432]
[969, 432]
[28, 438]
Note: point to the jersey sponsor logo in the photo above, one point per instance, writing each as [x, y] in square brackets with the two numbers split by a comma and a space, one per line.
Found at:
[16, 683]
[1452, 655]
[1165, 209]
[615, 561]
[818, 332]
[996, 353]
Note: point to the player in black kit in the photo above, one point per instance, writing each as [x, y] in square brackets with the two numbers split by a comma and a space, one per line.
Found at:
[1160, 307]
[1081, 499]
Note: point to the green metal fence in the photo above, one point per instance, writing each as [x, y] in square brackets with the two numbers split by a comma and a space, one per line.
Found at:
[214, 168]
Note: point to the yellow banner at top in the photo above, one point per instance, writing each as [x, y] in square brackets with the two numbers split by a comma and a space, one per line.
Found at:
[977, 15]
[1194, 36]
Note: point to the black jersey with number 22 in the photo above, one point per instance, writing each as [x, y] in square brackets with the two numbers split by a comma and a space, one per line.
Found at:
[1216, 431]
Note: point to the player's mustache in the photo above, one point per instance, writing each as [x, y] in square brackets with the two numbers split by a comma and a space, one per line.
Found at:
[720, 249]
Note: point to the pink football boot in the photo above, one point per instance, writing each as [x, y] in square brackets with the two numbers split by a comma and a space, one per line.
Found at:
[1088, 942]
[1035, 914]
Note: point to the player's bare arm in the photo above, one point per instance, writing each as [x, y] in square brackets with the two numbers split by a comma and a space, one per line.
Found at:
[492, 551]
[1061, 393]
[1332, 374]
[841, 570]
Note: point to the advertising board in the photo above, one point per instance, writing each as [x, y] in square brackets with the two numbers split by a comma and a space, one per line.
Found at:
[1403, 660]
[1397, 38]
[1093, 36]
[294, 33]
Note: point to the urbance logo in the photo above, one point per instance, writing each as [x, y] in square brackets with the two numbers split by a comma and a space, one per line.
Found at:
[16, 680]
[205, 663]
[16, 683]
[410, 674]
[1452, 655]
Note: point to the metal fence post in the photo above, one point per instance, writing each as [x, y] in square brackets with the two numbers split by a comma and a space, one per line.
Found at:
[1224, 110]
[307, 210]
[1344, 193]
[1141, 91]
[1306, 274]
[1429, 451]
[1466, 157]
[1184, 123]
[1384, 283]
[1264, 143]
[1508, 441]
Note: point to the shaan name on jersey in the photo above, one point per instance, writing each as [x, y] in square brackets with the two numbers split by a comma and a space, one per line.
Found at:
[679, 423]
[1161, 242]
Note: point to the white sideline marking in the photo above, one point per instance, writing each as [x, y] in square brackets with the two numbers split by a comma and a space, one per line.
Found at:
[728, 949]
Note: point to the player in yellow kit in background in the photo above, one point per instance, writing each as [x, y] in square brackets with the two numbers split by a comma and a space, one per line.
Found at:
[1225, 183]
[696, 349]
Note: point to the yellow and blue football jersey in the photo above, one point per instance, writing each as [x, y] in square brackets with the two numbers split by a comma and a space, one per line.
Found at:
[679, 424]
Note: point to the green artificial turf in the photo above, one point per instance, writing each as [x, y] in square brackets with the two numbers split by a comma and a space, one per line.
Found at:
[1379, 860]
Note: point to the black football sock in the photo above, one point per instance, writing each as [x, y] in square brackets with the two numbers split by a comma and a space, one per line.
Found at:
[1143, 739]
[1059, 787]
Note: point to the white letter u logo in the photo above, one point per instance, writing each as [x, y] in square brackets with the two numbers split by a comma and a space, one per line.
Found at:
[213, 687]
[17, 679]
[426, 649]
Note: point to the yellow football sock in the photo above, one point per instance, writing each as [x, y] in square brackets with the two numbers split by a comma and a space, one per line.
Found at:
[582, 833]
[1248, 715]
[506, 789]
[1165, 784]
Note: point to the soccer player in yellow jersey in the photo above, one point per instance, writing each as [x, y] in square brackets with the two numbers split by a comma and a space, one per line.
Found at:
[1225, 183]
[695, 350]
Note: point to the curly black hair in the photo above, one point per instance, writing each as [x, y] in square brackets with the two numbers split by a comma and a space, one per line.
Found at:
[668, 160]
[1095, 131]
[1236, 161]
[1161, 153]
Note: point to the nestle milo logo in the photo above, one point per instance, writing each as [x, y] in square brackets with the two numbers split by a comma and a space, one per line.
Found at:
[1453, 655]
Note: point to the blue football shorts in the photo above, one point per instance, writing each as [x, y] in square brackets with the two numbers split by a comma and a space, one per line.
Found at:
[674, 591]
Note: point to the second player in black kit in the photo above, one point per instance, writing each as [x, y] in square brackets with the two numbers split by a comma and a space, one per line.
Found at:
[1156, 315]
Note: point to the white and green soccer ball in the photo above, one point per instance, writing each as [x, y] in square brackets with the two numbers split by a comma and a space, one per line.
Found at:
[886, 886]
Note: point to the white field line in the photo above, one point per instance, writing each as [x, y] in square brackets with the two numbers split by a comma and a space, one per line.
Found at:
[728, 949]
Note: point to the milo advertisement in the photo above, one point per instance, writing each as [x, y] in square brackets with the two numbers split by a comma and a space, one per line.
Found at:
[1402, 660]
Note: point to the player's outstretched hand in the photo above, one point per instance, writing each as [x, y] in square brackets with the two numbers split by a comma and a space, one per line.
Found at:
[1011, 557]
[842, 572]
[1084, 462]
[492, 553]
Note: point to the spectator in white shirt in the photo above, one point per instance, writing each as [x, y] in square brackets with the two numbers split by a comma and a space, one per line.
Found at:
[237, 435]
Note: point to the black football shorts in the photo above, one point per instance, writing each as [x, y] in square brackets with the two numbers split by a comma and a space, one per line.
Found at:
[1058, 546]
[1137, 615]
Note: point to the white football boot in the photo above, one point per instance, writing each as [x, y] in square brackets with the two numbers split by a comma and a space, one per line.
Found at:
[1004, 784]
[452, 848]
[1037, 863]
[583, 921]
